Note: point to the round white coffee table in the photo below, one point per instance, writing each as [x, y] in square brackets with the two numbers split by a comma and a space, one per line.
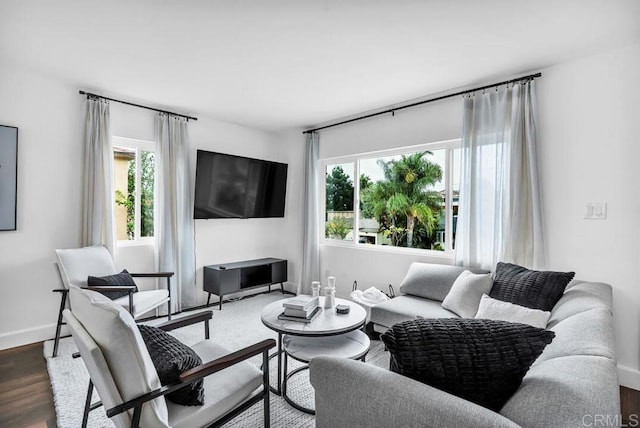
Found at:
[327, 323]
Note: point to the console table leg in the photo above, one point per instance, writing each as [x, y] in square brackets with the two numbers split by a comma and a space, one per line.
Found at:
[282, 287]
[220, 308]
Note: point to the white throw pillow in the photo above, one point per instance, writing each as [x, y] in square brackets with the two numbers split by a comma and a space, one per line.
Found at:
[466, 291]
[495, 309]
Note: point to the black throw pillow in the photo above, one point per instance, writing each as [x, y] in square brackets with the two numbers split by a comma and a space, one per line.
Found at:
[122, 278]
[531, 288]
[480, 360]
[171, 358]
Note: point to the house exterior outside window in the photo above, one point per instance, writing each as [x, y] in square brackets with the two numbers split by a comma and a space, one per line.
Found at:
[134, 184]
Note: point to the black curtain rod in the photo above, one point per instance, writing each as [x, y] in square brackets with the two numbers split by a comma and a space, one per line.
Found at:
[89, 94]
[394, 109]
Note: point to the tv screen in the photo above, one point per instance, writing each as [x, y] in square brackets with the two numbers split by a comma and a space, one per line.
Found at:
[229, 186]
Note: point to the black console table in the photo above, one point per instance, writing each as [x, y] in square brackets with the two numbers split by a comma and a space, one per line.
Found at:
[233, 277]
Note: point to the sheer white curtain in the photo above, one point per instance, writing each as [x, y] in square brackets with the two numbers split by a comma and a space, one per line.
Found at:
[499, 217]
[311, 218]
[97, 190]
[174, 219]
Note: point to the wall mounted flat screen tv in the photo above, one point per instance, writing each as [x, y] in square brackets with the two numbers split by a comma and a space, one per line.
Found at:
[229, 186]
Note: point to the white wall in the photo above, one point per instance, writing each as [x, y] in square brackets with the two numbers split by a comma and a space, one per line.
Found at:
[228, 240]
[588, 152]
[49, 114]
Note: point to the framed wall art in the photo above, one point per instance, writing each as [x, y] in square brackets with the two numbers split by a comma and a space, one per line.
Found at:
[8, 176]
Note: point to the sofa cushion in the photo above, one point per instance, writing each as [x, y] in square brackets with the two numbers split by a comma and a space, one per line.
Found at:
[531, 288]
[495, 309]
[144, 301]
[404, 308]
[586, 333]
[431, 281]
[482, 361]
[579, 297]
[122, 278]
[567, 392]
[171, 358]
[466, 292]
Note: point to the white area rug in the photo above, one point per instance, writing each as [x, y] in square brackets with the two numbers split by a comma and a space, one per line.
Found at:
[236, 326]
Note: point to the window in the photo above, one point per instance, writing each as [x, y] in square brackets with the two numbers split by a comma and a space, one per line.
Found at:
[134, 180]
[404, 198]
[339, 197]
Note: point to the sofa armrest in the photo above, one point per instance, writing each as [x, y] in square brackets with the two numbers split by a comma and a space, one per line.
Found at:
[355, 394]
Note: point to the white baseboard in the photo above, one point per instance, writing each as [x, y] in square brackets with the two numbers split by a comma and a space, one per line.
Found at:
[629, 377]
[27, 336]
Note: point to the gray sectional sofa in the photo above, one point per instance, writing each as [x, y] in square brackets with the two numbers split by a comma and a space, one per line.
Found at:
[573, 383]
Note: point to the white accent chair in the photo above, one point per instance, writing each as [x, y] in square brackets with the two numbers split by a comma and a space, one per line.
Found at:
[121, 369]
[76, 265]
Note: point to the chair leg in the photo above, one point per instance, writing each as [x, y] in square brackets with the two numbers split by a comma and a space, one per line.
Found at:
[87, 405]
[266, 387]
[63, 302]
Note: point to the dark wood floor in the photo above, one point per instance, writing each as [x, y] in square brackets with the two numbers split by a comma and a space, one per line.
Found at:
[26, 399]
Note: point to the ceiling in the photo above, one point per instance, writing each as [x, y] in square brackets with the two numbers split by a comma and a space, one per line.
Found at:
[281, 64]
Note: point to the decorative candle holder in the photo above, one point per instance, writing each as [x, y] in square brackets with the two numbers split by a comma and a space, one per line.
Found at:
[315, 288]
[330, 293]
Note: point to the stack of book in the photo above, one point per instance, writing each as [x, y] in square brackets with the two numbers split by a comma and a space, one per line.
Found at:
[300, 308]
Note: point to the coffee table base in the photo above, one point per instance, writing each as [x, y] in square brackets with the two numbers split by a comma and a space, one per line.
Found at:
[284, 388]
[354, 345]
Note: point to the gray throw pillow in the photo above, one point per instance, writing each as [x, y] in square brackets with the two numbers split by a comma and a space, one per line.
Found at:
[466, 292]
[431, 281]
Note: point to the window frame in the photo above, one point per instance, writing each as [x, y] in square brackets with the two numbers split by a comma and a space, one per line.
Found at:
[139, 146]
[448, 145]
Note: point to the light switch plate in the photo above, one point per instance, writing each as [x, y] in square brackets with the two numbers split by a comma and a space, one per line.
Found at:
[596, 211]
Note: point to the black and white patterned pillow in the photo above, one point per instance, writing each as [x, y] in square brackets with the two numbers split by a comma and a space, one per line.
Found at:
[531, 288]
[122, 278]
[171, 358]
[480, 360]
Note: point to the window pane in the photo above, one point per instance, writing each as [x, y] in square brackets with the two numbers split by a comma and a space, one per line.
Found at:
[456, 170]
[147, 174]
[401, 200]
[124, 169]
[339, 201]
